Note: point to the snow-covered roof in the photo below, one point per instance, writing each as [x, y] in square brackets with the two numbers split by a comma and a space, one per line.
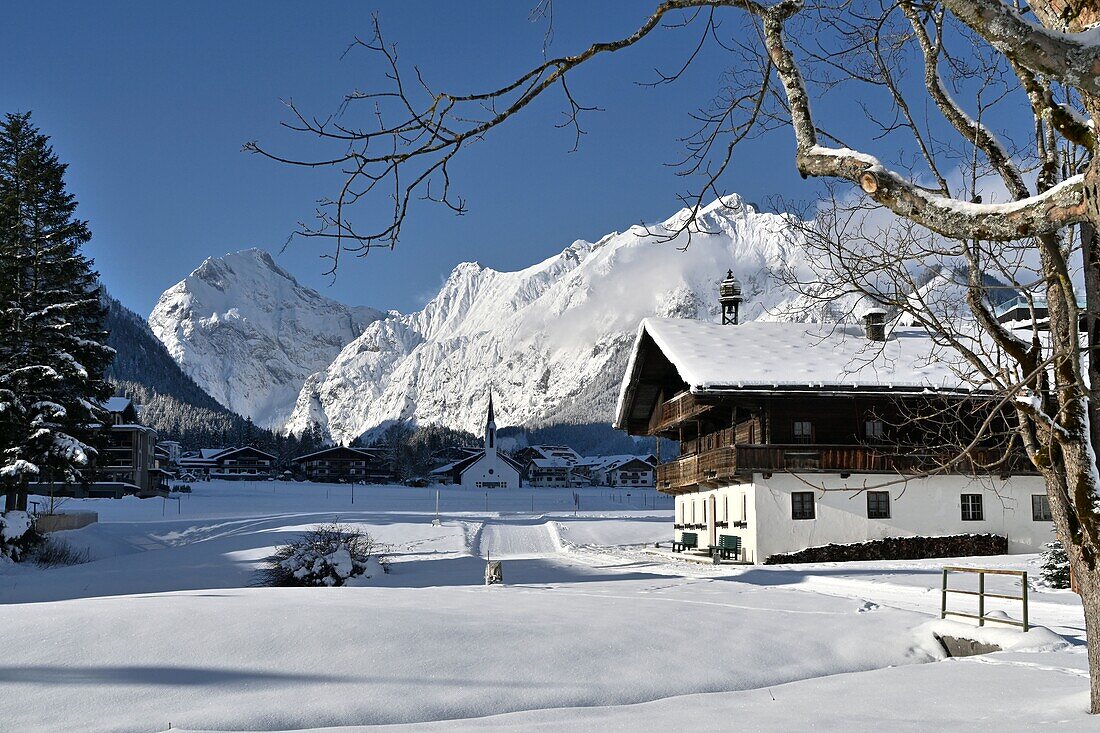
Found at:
[610, 462]
[211, 452]
[762, 355]
[364, 452]
[116, 404]
[553, 462]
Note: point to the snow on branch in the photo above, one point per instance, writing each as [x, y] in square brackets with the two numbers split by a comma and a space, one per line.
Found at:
[1072, 58]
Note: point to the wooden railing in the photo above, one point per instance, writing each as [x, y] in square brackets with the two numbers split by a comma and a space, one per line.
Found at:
[682, 407]
[981, 616]
[870, 459]
[726, 462]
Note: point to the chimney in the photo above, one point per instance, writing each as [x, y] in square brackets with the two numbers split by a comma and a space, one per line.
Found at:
[874, 324]
[729, 295]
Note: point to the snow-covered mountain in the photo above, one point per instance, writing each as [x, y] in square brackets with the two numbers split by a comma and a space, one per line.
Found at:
[551, 340]
[250, 335]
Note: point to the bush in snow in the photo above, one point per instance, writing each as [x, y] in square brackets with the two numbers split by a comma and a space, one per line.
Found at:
[327, 555]
[1055, 569]
[18, 536]
[56, 553]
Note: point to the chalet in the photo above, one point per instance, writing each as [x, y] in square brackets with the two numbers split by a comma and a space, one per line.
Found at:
[797, 434]
[620, 470]
[345, 465]
[551, 466]
[483, 469]
[198, 464]
[630, 472]
[235, 464]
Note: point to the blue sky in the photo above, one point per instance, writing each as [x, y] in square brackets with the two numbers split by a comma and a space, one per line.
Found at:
[149, 103]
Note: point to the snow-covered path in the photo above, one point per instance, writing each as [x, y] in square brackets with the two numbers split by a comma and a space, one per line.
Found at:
[504, 538]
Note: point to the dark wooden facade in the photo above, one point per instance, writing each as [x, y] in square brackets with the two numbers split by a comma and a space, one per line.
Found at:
[726, 437]
[345, 465]
[727, 434]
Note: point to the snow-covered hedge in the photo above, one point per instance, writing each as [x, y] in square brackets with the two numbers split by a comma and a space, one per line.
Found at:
[328, 555]
[17, 535]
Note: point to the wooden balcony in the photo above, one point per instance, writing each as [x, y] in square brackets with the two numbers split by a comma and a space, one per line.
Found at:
[683, 406]
[727, 464]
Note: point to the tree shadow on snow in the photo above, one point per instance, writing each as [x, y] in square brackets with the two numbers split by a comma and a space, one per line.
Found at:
[787, 576]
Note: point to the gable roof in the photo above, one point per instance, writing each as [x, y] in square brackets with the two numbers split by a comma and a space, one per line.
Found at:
[461, 466]
[365, 453]
[233, 451]
[116, 404]
[773, 356]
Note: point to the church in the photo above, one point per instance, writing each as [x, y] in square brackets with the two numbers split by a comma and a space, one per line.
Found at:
[482, 469]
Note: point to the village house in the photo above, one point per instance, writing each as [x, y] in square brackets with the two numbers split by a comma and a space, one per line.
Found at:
[795, 435]
[551, 466]
[621, 470]
[236, 464]
[340, 464]
[487, 468]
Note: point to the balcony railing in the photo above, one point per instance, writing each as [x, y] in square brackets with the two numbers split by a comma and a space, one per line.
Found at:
[727, 462]
[682, 407]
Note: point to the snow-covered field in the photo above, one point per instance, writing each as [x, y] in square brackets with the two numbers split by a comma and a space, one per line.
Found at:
[591, 631]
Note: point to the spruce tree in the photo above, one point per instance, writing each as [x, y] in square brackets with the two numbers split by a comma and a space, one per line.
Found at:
[52, 358]
[1055, 570]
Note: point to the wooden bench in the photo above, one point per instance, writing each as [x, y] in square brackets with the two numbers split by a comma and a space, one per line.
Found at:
[688, 540]
[728, 544]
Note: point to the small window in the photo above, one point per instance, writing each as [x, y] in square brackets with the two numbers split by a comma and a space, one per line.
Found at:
[972, 508]
[803, 433]
[874, 431]
[802, 505]
[1040, 508]
[878, 504]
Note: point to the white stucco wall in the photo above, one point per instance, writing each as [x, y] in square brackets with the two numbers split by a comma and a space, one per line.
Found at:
[926, 506]
[491, 468]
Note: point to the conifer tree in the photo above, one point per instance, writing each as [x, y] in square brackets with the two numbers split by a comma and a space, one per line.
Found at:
[52, 356]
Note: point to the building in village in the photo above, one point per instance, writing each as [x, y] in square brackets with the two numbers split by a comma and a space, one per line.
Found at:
[638, 472]
[797, 434]
[236, 464]
[487, 468]
[127, 464]
[551, 466]
[340, 464]
[558, 466]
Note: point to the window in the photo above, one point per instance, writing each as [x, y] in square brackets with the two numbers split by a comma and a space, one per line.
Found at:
[803, 432]
[802, 504]
[972, 508]
[878, 504]
[874, 430]
[1040, 508]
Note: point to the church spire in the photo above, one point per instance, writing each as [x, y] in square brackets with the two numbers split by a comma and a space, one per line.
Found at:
[490, 426]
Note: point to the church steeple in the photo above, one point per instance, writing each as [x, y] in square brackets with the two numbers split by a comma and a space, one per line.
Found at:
[490, 427]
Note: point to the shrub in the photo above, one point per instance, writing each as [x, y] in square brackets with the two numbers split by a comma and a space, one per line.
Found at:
[52, 552]
[327, 555]
[18, 537]
[1055, 569]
